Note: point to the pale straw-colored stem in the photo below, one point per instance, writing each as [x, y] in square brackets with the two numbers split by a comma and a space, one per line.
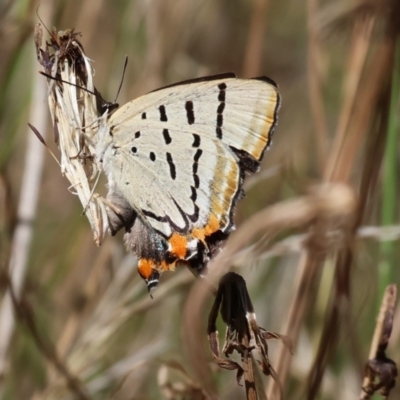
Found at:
[22, 238]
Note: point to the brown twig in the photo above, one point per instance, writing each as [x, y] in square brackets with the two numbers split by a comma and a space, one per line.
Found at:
[378, 365]
[328, 201]
[252, 59]
[360, 43]
[314, 61]
[243, 334]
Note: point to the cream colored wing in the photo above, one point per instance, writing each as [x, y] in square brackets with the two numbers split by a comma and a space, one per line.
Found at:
[179, 155]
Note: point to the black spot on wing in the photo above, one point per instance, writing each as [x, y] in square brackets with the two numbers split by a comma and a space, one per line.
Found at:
[196, 181]
[152, 156]
[111, 133]
[167, 137]
[172, 168]
[220, 109]
[163, 114]
[166, 219]
[144, 115]
[150, 214]
[134, 150]
[193, 196]
[197, 155]
[220, 120]
[189, 112]
[196, 140]
[137, 135]
[195, 167]
[195, 216]
[222, 86]
[246, 161]
[221, 94]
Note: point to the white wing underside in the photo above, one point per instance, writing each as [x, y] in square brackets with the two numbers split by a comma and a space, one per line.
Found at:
[170, 153]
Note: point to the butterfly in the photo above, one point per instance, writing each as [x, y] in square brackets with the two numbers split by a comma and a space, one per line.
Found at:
[175, 160]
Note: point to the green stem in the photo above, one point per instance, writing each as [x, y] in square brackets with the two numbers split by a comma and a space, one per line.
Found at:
[389, 189]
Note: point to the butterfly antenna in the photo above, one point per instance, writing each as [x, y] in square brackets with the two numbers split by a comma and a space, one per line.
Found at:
[40, 19]
[122, 79]
[54, 78]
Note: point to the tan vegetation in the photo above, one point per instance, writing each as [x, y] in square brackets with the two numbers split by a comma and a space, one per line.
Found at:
[317, 235]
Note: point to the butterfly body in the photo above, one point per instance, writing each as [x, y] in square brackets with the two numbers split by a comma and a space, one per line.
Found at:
[175, 160]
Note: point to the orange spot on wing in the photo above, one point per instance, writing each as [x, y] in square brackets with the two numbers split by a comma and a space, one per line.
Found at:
[145, 268]
[178, 245]
[211, 227]
[167, 266]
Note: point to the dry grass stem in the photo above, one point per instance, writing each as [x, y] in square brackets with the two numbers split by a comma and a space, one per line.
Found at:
[111, 311]
[315, 79]
[379, 366]
[184, 386]
[243, 335]
[368, 96]
[360, 43]
[326, 203]
[23, 232]
[255, 40]
[25, 316]
[75, 113]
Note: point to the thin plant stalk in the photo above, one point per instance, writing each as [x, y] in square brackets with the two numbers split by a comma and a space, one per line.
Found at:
[26, 213]
[389, 185]
[253, 56]
[360, 43]
[315, 83]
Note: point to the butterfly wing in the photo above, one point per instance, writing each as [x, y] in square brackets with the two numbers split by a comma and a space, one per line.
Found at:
[179, 155]
[180, 152]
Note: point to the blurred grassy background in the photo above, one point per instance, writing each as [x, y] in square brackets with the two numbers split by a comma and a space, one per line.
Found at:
[337, 66]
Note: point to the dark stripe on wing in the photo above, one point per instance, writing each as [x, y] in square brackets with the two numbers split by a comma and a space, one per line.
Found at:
[196, 140]
[172, 168]
[163, 114]
[220, 109]
[195, 167]
[167, 137]
[193, 196]
[189, 112]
